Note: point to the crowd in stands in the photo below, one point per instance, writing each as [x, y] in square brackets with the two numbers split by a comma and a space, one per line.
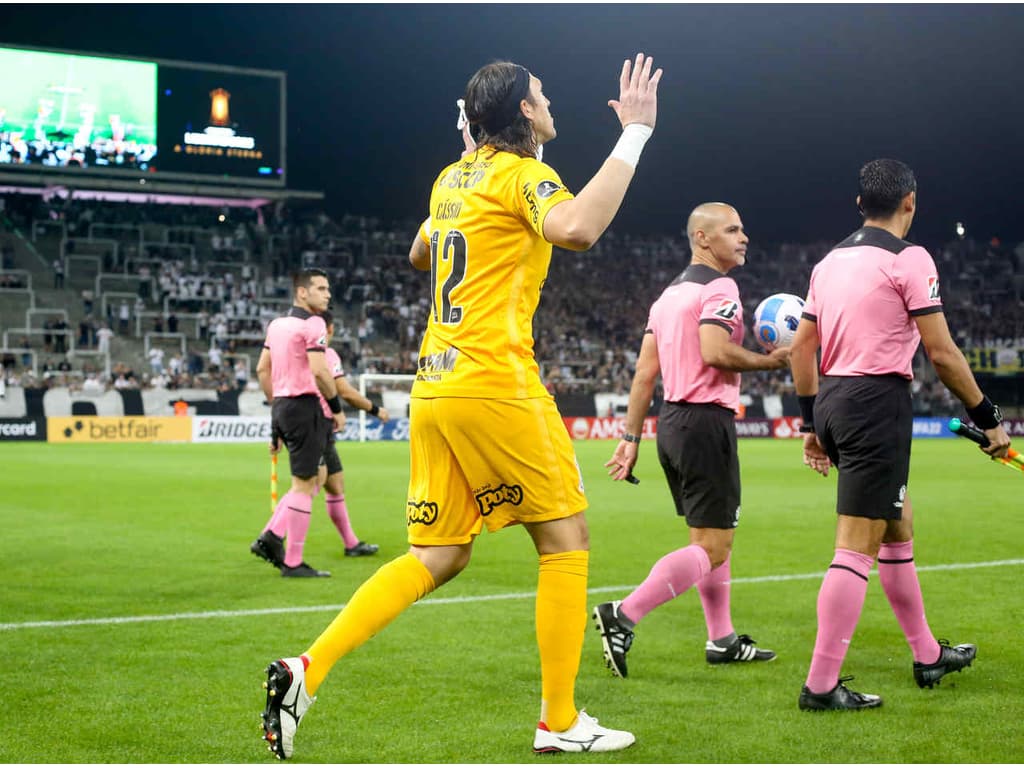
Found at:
[234, 280]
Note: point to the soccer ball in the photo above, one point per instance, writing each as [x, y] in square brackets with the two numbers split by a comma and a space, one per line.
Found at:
[776, 319]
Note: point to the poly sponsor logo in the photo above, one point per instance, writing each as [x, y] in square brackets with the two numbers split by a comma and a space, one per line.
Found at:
[787, 426]
[589, 427]
[927, 428]
[489, 499]
[229, 429]
[547, 188]
[395, 429]
[727, 310]
[753, 428]
[114, 429]
[933, 287]
[531, 202]
[424, 512]
[902, 496]
[579, 429]
[20, 429]
[1014, 426]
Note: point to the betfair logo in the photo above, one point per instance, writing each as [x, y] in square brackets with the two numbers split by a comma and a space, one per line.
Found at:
[491, 498]
[424, 512]
[116, 429]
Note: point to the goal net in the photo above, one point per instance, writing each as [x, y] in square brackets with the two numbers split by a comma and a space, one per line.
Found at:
[391, 391]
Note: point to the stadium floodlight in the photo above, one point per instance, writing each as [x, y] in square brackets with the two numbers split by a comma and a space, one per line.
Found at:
[960, 229]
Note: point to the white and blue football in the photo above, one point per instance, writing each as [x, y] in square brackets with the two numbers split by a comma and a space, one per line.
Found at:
[776, 319]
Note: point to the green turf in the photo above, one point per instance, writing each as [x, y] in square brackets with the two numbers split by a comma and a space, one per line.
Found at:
[126, 531]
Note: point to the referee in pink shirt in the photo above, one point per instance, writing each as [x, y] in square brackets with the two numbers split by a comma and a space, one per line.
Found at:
[871, 300]
[693, 340]
[292, 370]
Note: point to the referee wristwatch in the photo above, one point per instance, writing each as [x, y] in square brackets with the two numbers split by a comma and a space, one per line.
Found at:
[630, 438]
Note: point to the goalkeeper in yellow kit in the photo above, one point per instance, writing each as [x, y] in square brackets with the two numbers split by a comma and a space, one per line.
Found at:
[487, 444]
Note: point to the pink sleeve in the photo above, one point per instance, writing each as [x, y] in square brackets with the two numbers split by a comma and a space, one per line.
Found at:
[334, 364]
[315, 333]
[720, 304]
[811, 302]
[917, 281]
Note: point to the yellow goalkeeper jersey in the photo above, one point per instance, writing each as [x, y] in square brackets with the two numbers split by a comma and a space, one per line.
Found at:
[488, 263]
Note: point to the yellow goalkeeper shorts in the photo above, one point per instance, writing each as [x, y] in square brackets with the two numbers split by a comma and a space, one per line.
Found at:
[493, 462]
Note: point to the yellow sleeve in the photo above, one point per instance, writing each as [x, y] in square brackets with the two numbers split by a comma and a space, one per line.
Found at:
[425, 231]
[538, 189]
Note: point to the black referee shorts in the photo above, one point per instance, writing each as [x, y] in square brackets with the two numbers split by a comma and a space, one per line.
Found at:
[866, 424]
[331, 459]
[697, 450]
[303, 429]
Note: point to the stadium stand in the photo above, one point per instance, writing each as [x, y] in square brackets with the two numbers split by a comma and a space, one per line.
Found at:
[100, 295]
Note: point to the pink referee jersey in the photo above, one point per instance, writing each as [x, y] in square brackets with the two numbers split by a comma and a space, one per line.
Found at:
[699, 295]
[864, 296]
[288, 339]
[334, 366]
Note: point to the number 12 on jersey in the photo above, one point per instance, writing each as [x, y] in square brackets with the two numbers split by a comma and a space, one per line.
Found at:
[450, 256]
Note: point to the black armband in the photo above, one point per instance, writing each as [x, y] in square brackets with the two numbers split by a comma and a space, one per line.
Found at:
[985, 414]
[631, 438]
[807, 412]
[335, 404]
[374, 409]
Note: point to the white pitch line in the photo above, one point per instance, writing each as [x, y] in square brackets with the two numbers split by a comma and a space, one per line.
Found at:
[10, 627]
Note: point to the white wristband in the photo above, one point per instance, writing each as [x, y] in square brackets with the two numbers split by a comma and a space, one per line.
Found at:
[631, 143]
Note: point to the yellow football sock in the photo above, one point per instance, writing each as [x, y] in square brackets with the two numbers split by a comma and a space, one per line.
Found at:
[561, 622]
[392, 589]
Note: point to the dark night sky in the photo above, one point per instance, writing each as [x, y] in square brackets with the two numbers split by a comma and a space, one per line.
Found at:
[771, 108]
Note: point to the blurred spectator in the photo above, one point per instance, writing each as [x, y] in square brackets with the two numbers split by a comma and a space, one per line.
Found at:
[103, 337]
[156, 360]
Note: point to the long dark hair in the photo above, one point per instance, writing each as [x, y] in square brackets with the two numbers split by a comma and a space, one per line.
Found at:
[485, 93]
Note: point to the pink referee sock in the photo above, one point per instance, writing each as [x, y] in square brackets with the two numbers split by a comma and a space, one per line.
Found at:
[840, 602]
[675, 573]
[278, 522]
[714, 592]
[298, 506]
[898, 574]
[339, 516]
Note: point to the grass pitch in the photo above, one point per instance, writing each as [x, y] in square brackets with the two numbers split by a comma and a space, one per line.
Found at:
[136, 625]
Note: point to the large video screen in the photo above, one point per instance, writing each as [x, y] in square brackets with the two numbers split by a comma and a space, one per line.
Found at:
[61, 110]
[219, 122]
[88, 114]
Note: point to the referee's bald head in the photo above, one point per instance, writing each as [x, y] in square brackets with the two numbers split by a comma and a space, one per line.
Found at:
[705, 216]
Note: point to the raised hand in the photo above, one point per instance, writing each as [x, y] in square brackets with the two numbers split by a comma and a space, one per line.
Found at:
[638, 92]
